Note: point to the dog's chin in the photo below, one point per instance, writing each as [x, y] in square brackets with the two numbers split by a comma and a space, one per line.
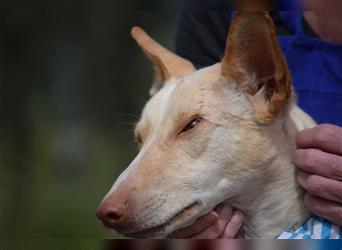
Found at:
[175, 222]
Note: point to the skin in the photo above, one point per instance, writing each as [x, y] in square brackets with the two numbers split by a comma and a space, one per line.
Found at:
[223, 223]
[327, 24]
[319, 158]
[325, 18]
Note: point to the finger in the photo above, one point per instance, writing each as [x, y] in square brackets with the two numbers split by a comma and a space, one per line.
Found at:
[325, 136]
[320, 186]
[214, 231]
[315, 161]
[197, 227]
[329, 210]
[224, 212]
[233, 226]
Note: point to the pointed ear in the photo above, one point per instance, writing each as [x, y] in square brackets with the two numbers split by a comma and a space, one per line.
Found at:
[166, 64]
[254, 61]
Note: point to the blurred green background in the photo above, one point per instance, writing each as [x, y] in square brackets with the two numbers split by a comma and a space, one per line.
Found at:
[72, 84]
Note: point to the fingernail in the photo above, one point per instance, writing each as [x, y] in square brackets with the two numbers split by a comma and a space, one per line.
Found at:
[226, 211]
[236, 219]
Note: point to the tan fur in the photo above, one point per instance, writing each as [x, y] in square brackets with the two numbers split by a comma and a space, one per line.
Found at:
[256, 33]
[240, 153]
[167, 64]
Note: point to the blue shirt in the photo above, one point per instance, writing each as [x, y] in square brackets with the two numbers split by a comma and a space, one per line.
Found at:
[316, 68]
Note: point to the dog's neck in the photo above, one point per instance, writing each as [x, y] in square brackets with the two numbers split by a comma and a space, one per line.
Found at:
[276, 204]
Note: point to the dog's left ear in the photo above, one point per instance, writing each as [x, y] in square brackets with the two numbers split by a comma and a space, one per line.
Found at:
[167, 64]
[254, 61]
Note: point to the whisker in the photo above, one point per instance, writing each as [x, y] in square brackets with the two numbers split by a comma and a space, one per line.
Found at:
[123, 115]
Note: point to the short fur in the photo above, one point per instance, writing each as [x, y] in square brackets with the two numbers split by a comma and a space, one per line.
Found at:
[240, 153]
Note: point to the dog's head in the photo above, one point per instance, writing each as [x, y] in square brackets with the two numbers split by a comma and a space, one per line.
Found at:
[203, 133]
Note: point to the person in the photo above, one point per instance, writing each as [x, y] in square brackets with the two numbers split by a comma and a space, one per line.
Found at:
[312, 44]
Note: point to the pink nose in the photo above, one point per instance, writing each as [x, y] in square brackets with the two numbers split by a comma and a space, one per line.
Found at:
[112, 210]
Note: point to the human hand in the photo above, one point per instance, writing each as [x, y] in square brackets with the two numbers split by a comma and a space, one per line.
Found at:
[222, 222]
[319, 158]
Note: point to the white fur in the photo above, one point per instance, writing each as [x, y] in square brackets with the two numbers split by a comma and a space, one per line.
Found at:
[230, 158]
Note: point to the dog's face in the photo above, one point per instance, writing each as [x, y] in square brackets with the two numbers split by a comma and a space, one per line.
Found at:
[202, 134]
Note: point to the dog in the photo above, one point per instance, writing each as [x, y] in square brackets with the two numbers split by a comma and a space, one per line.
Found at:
[222, 134]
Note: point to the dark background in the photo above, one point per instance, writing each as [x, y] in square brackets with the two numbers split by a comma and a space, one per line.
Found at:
[72, 84]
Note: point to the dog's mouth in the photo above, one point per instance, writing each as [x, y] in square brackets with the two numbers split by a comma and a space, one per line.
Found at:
[160, 230]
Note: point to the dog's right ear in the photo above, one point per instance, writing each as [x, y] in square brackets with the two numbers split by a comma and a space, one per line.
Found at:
[167, 64]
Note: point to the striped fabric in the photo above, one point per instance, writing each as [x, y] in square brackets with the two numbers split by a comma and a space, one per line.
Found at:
[314, 228]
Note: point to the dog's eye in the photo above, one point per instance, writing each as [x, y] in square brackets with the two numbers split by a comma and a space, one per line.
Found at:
[194, 122]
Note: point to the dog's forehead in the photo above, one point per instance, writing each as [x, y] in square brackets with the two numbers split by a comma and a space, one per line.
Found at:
[156, 106]
[182, 92]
